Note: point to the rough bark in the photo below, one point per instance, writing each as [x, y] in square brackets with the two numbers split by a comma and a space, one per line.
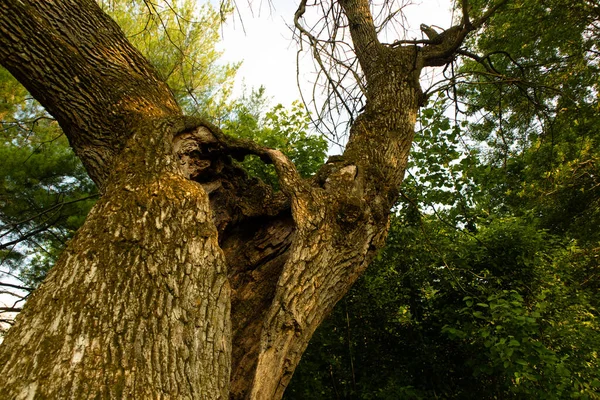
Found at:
[138, 304]
[189, 279]
[97, 85]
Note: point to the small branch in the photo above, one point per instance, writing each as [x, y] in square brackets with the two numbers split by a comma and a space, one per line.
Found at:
[481, 60]
[52, 208]
[28, 289]
[10, 322]
[387, 19]
[10, 309]
[488, 14]
[25, 236]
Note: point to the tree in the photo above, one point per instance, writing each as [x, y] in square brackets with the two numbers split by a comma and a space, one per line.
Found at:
[188, 279]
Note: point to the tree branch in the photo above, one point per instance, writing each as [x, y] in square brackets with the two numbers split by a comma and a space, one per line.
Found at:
[442, 49]
[362, 30]
[483, 19]
[28, 289]
[89, 78]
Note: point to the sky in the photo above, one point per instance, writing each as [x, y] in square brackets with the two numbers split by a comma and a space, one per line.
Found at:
[262, 39]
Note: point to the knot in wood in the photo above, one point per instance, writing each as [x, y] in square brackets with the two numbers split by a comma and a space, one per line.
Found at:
[350, 212]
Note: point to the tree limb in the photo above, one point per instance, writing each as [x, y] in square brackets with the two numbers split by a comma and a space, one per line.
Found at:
[89, 78]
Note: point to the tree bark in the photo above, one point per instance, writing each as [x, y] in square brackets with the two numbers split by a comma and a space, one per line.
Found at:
[77, 63]
[138, 304]
[188, 278]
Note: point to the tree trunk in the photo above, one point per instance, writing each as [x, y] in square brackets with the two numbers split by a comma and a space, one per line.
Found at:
[139, 302]
[189, 279]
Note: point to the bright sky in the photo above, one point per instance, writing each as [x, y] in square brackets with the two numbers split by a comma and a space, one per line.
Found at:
[269, 54]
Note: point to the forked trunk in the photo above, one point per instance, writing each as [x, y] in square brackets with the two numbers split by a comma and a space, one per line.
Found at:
[189, 280]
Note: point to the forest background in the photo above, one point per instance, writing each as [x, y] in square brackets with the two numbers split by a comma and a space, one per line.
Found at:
[489, 284]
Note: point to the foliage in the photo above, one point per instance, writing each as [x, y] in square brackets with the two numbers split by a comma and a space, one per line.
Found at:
[279, 128]
[179, 39]
[542, 131]
[445, 313]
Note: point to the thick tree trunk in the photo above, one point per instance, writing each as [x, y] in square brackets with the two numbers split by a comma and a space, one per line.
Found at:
[188, 279]
[138, 304]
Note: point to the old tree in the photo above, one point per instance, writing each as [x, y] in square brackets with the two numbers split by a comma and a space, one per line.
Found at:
[189, 279]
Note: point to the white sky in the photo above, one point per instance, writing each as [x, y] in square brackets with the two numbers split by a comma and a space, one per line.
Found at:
[268, 52]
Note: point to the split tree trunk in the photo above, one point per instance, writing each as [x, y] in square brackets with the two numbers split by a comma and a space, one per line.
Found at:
[188, 279]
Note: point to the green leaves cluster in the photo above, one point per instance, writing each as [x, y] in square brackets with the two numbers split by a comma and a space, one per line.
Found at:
[278, 128]
[179, 38]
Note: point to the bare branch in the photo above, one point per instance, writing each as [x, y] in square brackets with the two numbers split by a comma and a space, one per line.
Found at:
[10, 309]
[28, 289]
[46, 211]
